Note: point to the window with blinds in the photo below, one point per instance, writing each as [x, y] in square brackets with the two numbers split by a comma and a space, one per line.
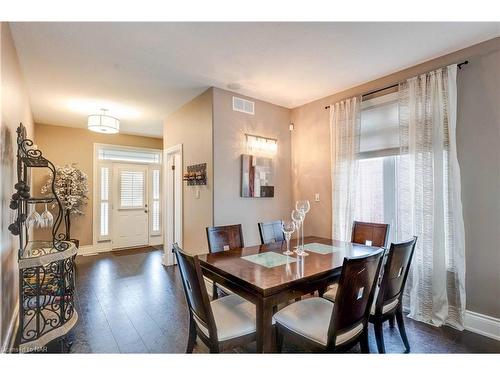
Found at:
[132, 189]
[375, 199]
[155, 204]
[104, 196]
[114, 153]
[379, 127]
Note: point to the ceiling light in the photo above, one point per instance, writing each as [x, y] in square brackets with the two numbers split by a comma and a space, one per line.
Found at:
[103, 123]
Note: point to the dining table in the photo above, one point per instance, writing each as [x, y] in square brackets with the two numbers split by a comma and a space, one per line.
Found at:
[264, 276]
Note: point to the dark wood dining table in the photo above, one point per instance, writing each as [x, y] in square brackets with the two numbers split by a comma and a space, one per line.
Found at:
[268, 287]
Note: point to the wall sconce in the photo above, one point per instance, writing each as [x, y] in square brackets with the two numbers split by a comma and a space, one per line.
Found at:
[261, 145]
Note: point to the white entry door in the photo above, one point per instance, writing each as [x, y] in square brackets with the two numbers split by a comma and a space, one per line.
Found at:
[130, 213]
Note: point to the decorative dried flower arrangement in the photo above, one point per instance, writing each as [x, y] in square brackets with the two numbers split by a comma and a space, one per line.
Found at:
[71, 186]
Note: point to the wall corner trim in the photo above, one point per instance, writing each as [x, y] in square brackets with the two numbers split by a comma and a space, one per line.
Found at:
[482, 324]
[10, 338]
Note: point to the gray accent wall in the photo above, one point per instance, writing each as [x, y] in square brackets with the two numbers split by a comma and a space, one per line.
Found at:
[229, 143]
[478, 148]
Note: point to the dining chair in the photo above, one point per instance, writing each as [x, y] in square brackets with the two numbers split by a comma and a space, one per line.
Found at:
[387, 304]
[221, 238]
[224, 237]
[376, 233]
[221, 324]
[388, 296]
[270, 232]
[321, 325]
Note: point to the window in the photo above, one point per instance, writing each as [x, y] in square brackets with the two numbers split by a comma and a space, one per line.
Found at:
[131, 189]
[115, 153]
[155, 202]
[104, 195]
[375, 199]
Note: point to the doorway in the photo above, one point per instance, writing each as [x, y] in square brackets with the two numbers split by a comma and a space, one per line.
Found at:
[128, 210]
[173, 202]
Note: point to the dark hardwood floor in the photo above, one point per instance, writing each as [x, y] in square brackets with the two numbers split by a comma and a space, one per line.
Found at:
[128, 302]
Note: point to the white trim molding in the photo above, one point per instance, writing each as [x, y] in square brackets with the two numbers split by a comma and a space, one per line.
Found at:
[99, 247]
[482, 324]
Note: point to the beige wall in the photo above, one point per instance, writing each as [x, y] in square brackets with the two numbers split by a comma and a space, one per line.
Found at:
[15, 108]
[191, 126]
[229, 143]
[478, 151]
[65, 145]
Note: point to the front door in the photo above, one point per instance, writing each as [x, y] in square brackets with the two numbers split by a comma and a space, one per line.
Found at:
[130, 205]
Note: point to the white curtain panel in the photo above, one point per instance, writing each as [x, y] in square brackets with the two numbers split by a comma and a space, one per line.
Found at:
[344, 138]
[429, 203]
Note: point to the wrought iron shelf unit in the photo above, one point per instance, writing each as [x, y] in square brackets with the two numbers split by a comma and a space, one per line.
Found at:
[46, 268]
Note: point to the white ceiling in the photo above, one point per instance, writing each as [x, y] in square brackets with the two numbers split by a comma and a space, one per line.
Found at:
[142, 72]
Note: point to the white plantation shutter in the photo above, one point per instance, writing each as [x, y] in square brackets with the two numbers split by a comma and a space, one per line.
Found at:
[155, 205]
[132, 189]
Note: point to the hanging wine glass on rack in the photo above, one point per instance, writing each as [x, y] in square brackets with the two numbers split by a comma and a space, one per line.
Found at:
[303, 206]
[297, 218]
[46, 218]
[33, 218]
[288, 227]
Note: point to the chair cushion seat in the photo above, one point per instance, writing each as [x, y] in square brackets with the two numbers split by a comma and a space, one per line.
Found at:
[332, 292]
[209, 286]
[387, 307]
[234, 317]
[311, 318]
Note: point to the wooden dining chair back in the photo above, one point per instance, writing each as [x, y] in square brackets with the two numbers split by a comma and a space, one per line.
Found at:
[194, 288]
[378, 234]
[395, 272]
[388, 304]
[225, 237]
[270, 232]
[355, 294]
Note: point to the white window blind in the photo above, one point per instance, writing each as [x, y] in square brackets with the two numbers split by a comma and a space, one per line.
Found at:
[104, 204]
[114, 153]
[131, 189]
[379, 126]
[155, 207]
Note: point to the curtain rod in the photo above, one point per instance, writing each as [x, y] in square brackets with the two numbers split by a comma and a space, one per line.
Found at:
[395, 85]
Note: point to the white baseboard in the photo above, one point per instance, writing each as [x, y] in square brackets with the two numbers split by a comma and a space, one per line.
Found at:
[100, 247]
[482, 324]
[12, 330]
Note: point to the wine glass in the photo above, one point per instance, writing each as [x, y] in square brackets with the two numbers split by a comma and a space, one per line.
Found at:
[304, 207]
[288, 227]
[33, 218]
[298, 217]
[46, 218]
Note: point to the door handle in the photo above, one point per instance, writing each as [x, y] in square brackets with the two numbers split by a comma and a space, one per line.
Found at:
[146, 211]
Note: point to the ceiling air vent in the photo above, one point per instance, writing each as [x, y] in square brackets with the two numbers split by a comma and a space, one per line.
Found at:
[243, 105]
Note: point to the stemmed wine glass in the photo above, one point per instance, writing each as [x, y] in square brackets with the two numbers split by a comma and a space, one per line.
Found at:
[46, 218]
[298, 217]
[288, 227]
[303, 206]
[33, 218]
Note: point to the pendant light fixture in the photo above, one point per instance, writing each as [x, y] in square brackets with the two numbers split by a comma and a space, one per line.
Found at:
[103, 123]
